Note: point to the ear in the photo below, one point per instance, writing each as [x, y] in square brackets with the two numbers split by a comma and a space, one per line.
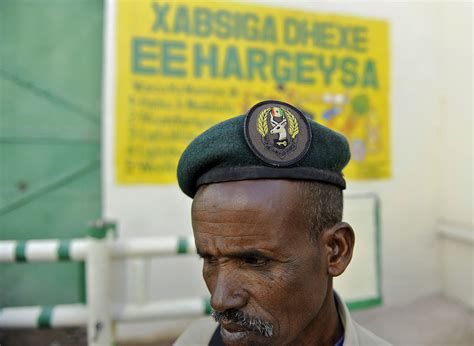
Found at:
[339, 243]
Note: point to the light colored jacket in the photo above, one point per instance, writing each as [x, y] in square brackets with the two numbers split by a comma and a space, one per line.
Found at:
[200, 332]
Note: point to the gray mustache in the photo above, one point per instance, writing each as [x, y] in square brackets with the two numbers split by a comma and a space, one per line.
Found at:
[254, 324]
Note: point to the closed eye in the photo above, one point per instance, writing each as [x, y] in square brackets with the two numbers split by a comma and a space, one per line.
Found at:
[255, 261]
[208, 258]
[250, 258]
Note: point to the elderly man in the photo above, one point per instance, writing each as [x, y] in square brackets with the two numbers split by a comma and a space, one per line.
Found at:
[267, 221]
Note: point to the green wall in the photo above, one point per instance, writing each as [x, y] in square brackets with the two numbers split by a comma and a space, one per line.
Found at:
[50, 117]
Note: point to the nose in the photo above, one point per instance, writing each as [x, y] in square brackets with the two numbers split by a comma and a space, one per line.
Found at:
[228, 292]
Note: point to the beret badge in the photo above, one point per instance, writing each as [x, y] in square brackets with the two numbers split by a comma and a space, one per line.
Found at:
[278, 133]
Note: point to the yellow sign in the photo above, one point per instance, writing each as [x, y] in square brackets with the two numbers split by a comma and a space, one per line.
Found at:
[184, 66]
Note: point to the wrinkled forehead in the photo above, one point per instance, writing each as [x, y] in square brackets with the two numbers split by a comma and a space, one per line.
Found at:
[262, 214]
[248, 194]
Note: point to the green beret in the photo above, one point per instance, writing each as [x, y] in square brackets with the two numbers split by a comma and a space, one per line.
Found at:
[274, 140]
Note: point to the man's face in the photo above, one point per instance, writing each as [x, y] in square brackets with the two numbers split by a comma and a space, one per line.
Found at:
[258, 260]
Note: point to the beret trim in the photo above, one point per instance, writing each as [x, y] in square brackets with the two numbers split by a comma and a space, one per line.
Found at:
[223, 174]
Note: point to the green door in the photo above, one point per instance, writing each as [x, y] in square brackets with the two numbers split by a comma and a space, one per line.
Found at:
[50, 106]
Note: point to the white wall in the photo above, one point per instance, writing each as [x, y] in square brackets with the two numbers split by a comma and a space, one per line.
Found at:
[455, 218]
[425, 145]
[456, 149]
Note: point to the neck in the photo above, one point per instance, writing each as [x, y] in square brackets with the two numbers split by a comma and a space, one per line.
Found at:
[326, 328]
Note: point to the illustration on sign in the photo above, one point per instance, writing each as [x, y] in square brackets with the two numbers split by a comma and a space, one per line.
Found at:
[184, 66]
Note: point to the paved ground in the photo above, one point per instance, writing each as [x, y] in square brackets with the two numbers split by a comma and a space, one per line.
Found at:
[429, 321]
[45, 337]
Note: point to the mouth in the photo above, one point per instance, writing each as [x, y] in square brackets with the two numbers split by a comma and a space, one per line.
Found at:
[233, 332]
[236, 327]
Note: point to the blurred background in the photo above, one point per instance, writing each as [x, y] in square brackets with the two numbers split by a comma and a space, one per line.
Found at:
[99, 98]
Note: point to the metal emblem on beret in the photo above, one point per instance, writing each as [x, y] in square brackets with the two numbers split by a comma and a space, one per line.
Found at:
[277, 132]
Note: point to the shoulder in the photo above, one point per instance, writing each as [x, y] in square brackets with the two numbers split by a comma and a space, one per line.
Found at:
[355, 334]
[198, 333]
[366, 337]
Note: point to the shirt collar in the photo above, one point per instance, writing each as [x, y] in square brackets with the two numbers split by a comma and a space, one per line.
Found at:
[350, 335]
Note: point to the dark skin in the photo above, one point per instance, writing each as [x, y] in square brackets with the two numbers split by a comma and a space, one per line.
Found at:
[258, 258]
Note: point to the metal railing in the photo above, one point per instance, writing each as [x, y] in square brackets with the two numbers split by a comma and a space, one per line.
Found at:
[98, 251]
